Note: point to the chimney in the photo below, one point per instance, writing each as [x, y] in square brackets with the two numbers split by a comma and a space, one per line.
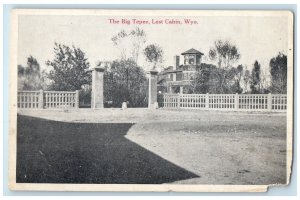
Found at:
[176, 62]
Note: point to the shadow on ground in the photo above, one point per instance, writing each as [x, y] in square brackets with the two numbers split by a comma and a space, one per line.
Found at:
[58, 152]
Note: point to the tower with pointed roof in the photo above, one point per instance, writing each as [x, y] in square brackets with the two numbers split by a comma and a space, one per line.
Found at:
[192, 57]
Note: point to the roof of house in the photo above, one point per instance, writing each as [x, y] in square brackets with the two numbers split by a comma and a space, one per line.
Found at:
[192, 51]
[170, 71]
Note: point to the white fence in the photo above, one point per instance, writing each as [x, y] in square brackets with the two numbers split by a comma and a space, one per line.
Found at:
[48, 99]
[247, 102]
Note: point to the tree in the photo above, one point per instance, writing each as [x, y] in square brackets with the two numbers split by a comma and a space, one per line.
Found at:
[225, 54]
[203, 81]
[85, 95]
[278, 71]
[125, 81]
[130, 43]
[232, 81]
[30, 77]
[69, 68]
[237, 73]
[255, 82]
[153, 54]
[264, 82]
[246, 80]
[206, 80]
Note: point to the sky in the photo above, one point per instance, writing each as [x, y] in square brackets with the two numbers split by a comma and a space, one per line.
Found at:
[257, 37]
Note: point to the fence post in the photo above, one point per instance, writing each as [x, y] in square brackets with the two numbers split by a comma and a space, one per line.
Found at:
[236, 101]
[207, 101]
[178, 101]
[269, 102]
[77, 99]
[41, 99]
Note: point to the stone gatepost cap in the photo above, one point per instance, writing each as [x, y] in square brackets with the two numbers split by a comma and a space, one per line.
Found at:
[152, 72]
[97, 68]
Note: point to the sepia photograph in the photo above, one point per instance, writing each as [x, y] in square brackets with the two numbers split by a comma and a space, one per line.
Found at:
[150, 100]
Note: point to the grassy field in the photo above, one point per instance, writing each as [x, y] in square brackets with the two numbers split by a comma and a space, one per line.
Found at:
[151, 146]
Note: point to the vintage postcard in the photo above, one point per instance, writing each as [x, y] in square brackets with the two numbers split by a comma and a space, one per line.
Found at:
[150, 100]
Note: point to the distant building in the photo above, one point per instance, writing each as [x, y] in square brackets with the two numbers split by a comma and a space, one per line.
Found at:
[176, 77]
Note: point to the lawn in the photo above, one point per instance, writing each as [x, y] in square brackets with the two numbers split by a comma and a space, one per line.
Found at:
[151, 146]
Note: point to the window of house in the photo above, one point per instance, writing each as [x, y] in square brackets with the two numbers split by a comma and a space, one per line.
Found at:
[179, 76]
[185, 76]
[198, 57]
[191, 60]
[186, 60]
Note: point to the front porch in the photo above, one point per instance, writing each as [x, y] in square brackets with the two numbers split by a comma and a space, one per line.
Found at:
[177, 87]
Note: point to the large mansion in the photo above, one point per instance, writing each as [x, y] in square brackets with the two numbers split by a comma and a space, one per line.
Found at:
[176, 77]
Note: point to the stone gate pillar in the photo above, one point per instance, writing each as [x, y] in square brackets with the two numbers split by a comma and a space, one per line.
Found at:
[152, 97]
[97, 87]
